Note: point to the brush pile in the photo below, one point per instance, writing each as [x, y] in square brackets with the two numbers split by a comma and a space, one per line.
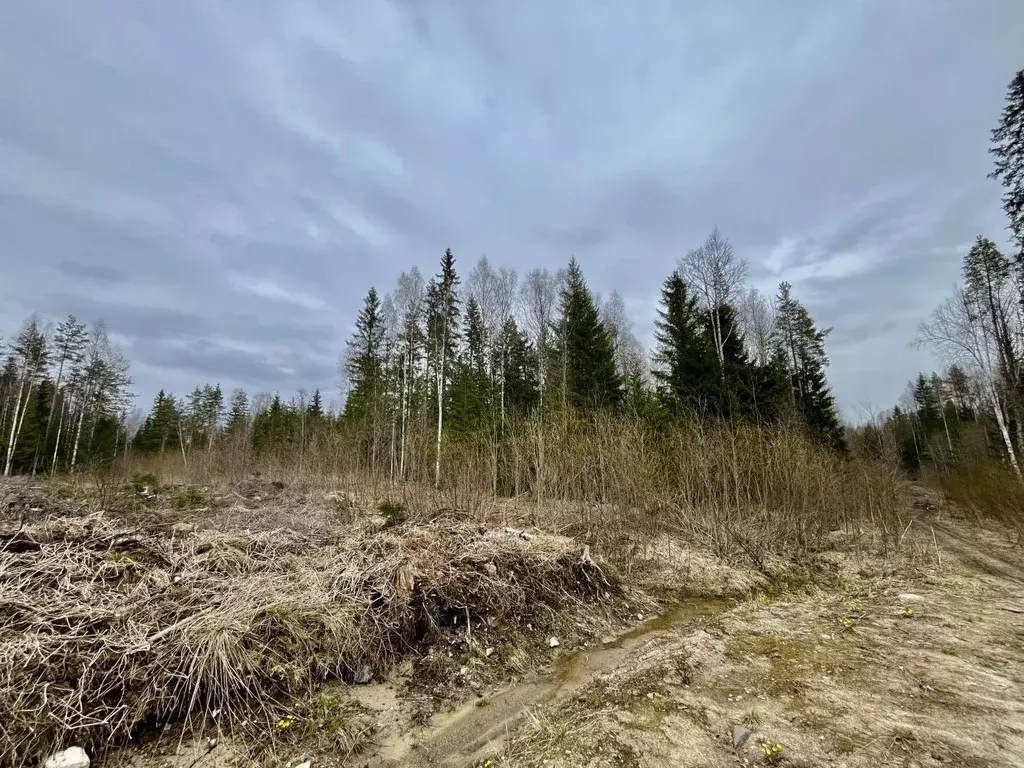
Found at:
[106, 631]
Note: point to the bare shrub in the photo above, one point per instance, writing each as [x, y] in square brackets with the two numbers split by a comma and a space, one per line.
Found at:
[617, 481]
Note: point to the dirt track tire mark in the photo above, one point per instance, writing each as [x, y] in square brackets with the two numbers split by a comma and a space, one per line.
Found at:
[1002, 562]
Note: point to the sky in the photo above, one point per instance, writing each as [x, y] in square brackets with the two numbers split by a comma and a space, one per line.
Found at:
[221, 182]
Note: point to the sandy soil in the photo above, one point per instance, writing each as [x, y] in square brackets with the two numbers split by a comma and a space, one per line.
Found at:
[918, 665]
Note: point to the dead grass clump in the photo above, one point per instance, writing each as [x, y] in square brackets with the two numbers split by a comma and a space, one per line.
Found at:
[989, 491]
[106, 630]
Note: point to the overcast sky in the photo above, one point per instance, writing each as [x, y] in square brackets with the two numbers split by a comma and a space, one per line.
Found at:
[222, 181]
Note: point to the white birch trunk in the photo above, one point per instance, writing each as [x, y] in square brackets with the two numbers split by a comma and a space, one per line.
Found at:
[12, 440]
[60, 427]
[1004, 431]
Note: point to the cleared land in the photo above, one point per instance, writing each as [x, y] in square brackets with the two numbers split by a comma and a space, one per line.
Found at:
[260, 623]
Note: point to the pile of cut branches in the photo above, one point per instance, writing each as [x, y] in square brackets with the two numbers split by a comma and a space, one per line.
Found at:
[105, 630]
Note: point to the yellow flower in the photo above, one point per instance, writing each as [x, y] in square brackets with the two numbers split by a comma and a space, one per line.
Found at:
[908, 612]
[285, 722]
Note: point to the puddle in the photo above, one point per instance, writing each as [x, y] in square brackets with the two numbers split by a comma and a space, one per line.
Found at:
[473, 731]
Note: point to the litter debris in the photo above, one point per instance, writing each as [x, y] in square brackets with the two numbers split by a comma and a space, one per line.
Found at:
[72, 757]
[740, 736]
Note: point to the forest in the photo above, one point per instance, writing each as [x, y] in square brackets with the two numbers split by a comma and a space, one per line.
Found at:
[493, 372]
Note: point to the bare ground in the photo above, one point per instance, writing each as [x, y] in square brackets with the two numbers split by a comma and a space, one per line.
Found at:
[920, 665]
[909, 661]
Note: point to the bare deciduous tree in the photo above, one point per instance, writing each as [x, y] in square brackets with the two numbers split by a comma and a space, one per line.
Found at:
[757, 320]
[716, 274]
[957, 332]
[629, 352]
[409, 296]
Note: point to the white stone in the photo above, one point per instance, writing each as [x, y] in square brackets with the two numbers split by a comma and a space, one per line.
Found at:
[72, 757]
[553, 642]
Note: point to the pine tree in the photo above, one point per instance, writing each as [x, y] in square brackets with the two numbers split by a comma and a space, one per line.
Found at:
[585, 349]
[685, 359]
[1008, 152]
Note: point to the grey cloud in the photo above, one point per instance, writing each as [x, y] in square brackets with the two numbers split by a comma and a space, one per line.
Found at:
[92, 272]
[223, 181]
[209, 360]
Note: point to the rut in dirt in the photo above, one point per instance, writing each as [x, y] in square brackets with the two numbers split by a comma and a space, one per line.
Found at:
[475, 732]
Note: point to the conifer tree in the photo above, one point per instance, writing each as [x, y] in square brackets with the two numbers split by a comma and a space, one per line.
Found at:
[69, 342]
[1007, 150]
[586, 351]
[159, 433]
[365, 361]
[442, 336]
[31, 353]
[238, 414]
[802, 345]
[684, 356]
[273, 428]
[521, 371]
[471, 395]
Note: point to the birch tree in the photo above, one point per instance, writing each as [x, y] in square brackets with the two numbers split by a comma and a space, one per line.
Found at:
[757, 321]
[69, 343]
[104, 389]
[410, 294]
[539, 298]
[956, 332]
[716, 274]
[30, 351]
[629, 352]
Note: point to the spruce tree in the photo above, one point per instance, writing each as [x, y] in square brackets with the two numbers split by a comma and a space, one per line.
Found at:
[315, 409]
[585, 348]
[442, 313]
[521, 371]
[684, 356]
[365, 362]
[238, 414]
[1007, 150]
[159, 433]
[471, 386]
[927, 401]
[802, 345]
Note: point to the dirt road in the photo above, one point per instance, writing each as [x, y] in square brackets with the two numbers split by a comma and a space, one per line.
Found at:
[916, 665]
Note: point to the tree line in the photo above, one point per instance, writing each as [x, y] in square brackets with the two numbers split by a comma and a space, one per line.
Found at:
[64, 398]
[974, 410]
[436, 364]
[463, 362]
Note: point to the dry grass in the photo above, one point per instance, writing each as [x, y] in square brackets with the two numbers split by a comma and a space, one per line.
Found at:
[986, 491]
[106, 628]
[617, 483]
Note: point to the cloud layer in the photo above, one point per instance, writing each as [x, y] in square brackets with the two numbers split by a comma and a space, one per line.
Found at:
[221, 182]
